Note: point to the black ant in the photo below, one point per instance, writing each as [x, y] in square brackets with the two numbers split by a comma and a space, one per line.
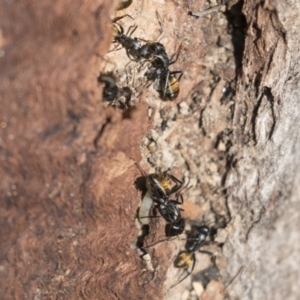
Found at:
[134, 49]
[160, 62]
[196, 238]
[159, 190]
[111, 89]
[113, 94]
[153, 52]
[168, 83]
[170, 211]
[132, 45]
[160, 184]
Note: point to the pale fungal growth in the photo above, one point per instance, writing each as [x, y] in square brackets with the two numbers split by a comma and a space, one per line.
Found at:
[148, 261]
[145, 208]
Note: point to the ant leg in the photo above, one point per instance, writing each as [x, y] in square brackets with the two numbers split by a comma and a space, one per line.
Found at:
[160, 22]
[121, 17]
[130, 56]
[171, 59]
[133, 28]
[178, 184]
[115, 49]
[119, 28]
[208, 11]
[179, 196]
[177, 72]
[176, 202]
[173, 177]
[212, 255]
[179, 193]
[145, 220]
[159, 243]
[141, 169]
[166, 84]
[143, 64]
[159, 19]
[143, 40]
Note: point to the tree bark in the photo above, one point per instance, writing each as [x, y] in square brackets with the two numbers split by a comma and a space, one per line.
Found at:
[263, 179]
[69, 189]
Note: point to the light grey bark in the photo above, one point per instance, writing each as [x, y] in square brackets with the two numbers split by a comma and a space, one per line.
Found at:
[263, 185]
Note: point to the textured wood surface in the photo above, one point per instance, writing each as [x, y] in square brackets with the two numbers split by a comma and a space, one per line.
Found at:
[67, 161]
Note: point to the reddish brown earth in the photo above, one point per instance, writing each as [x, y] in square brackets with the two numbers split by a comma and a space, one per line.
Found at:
[67, 162]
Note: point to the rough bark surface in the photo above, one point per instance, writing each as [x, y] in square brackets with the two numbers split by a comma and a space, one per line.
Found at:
[68, 192]
[263, 179]
[67, 162]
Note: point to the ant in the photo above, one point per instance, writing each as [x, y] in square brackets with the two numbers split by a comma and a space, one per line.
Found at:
[170, 211]
[113, 94]
[153, 52]
[160, 62]
[168, 83]
[159, 190]
[132, 45]
[196, 238]
[160, 185]
[134, 49]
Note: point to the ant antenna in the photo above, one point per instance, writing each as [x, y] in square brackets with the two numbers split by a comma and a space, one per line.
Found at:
[160, 22]
[114, 20]
[177, 55]
[141, 169]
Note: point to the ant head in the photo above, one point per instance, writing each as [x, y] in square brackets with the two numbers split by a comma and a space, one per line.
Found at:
[108, 78]
[204, 229]
[118, 30]
[201, 229]
[208, 227]
[158, 170]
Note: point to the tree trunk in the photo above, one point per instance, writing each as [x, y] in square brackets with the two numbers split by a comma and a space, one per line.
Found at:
[70, 185]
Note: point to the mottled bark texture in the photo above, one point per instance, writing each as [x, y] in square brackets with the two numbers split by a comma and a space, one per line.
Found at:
[263, 175]
[68, 199]
[67, 162]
